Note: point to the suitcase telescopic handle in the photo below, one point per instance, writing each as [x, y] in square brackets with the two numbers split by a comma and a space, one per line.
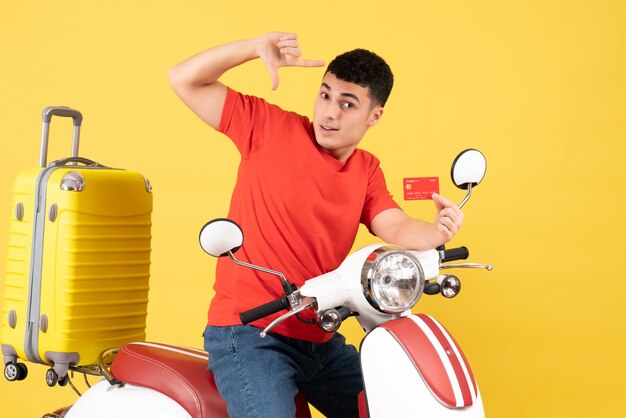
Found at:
[46, 116]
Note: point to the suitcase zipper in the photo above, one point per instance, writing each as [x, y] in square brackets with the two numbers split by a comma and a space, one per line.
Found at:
[31, 343]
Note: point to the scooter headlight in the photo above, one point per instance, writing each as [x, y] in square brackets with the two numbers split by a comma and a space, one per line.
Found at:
[392, 279]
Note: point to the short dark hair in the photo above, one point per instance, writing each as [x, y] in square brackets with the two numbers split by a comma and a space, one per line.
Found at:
[366, 69]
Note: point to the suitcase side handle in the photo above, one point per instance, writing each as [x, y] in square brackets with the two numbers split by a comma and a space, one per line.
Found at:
[46, 116]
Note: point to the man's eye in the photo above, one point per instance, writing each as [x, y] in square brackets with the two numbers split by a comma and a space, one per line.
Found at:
[324, 95]
[347, 105]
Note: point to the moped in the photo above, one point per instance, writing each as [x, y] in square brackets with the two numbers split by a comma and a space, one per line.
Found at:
[411, 365]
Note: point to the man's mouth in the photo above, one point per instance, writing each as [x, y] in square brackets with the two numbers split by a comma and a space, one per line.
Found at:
[328, 127]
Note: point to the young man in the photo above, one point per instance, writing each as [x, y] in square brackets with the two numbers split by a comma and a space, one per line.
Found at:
[302, 189]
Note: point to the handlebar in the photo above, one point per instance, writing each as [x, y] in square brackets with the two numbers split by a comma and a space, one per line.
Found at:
[264, 310]
[345, 312]
[453, 254]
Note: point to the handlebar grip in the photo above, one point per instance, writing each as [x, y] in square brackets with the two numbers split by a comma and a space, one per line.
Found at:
[461, 253]
[264, 310]
[344, 312]
[432, 288]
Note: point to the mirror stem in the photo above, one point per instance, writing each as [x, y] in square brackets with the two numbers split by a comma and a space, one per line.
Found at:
[286, 287]
[467, 196]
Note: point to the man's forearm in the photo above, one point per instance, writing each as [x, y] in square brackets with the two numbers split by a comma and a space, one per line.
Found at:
[396, 227]
[196, 80]
[420, 235]
[208, 66]
[413, 234]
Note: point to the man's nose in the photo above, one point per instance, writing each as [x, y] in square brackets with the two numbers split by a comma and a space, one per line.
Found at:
[331, 111]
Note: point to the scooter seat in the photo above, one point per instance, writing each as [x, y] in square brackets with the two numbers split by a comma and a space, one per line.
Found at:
[178, 372]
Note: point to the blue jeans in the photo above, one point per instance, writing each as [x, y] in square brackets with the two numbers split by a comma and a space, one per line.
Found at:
[260, 377]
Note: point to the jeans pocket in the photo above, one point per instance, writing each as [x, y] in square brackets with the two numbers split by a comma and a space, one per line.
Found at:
[215, 338]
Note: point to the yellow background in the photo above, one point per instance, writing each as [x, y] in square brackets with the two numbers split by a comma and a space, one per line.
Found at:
[539, 86]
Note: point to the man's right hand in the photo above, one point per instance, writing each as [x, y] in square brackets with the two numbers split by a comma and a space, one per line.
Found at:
[281, 49]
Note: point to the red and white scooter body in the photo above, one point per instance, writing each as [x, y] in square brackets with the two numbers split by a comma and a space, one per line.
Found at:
[412, 367]
[104, 400]
[343, 287]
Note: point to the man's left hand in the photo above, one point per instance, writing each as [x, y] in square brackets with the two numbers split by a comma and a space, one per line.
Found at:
[449, 217]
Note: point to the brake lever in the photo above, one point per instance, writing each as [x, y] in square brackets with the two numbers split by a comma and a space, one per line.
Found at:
[306, 303]
[487, 267]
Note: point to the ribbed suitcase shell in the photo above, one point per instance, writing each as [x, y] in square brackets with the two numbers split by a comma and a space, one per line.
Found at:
[95, 266]
[84, 287]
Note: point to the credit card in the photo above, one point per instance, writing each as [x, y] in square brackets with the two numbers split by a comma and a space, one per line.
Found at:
[420, 188]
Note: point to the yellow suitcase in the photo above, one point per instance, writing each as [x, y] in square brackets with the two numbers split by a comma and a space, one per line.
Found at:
[76, 280]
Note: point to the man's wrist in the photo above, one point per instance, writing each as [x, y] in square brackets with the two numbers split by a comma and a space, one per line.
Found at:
[258, 44]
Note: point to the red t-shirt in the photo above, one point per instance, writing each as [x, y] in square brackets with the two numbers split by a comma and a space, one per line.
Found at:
[299, 209]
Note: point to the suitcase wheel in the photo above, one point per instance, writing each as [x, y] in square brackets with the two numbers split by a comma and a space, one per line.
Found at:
[52, 378]
[65, 380]
[15, 371]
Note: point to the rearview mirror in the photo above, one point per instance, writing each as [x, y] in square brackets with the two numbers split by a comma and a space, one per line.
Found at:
[468, 170]
[220, 237]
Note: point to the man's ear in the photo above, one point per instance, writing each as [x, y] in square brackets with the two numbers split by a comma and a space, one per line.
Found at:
[375, 116]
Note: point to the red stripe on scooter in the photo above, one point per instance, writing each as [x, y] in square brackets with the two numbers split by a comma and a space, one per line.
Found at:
[467, 365]
[422, 353]
[454, 360]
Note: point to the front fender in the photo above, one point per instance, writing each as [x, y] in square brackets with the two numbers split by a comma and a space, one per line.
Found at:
[413, 366]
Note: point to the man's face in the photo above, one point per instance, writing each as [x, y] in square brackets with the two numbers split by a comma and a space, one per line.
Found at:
[342, 114]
